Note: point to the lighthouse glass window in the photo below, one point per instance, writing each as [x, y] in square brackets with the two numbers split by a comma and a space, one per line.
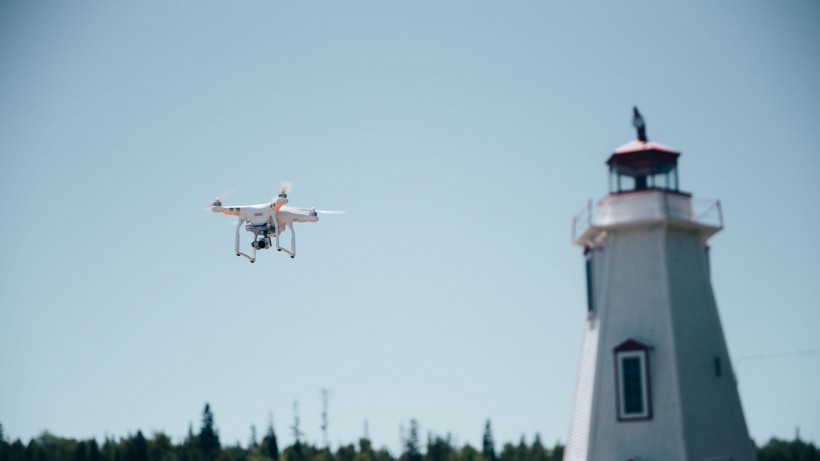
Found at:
[633, 385]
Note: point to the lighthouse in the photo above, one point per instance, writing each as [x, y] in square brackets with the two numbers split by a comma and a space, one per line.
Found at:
[654, 381]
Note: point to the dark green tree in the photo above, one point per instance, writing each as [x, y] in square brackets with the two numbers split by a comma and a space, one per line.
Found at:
[252, 442]
[209, 444]
[302, 451]
[522, 451]
[93, 450]
[110, 450]
[558, 452]
[14, 452]
[366, 452]
[161, 448]
[383, 455]
[782, 450]
[468, 453]
[412, 447]
[345, 453]
[137, 448]
[538, 452]
[439, 449]
[270, 446]
[35, 452]
[190, 450]
[488, 444]
[80, 452]
[508, 452]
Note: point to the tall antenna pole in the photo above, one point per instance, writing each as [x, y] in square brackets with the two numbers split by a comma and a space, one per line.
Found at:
[402, 440]
[325, 402]
[366, 430]
[295, 428]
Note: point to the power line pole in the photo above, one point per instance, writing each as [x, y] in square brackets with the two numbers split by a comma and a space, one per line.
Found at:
[325, 403]
[297, 433]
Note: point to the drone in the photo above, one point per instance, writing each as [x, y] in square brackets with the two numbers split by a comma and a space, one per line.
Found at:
[267, 220]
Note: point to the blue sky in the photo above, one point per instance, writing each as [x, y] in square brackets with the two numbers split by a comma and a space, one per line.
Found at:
[460, 136]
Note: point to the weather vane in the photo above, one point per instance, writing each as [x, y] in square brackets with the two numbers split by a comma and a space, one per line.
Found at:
[639, 124]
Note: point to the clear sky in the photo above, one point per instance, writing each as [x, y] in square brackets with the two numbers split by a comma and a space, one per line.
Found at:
[460, 136]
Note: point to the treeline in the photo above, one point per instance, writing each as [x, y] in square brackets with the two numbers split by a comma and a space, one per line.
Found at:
[206, 446]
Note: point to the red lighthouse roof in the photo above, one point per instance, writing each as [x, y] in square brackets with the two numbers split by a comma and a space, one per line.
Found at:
[639, 146]
[638, 151]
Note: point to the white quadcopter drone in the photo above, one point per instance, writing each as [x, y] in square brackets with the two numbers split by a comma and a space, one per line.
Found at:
[267, 220]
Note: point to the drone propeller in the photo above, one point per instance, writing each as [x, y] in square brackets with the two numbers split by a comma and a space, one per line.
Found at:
[329, 211]
[282, 198]
[314, 210]
[285, 187]
[218, 200]
[224, 194]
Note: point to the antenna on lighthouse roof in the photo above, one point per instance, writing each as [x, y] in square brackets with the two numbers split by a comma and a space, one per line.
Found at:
[639, 124]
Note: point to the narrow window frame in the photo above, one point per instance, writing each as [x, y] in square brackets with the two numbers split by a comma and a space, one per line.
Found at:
[633, 349]
[589, 268]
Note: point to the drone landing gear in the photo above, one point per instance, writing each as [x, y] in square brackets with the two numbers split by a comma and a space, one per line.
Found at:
[239, 253]
[264, 242]
[292, 251]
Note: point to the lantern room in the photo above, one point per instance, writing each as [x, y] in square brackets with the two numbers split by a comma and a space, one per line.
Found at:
[643, 165]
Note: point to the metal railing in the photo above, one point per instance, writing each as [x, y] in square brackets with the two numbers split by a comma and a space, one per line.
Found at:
[705, 211]
[582, 220]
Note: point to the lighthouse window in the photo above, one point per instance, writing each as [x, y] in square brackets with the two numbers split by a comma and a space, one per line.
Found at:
[633, 382]
[590, 290]
[637, 174]
[633, 385]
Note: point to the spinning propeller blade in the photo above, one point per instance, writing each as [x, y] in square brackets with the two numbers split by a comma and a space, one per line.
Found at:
[308, 210]
[225, 194]
[330, 211]
[218, 200]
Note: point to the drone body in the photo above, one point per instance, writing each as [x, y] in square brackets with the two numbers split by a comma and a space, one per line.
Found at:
[268, 220]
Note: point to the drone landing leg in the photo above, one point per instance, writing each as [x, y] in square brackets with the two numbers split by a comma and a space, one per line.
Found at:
[276, 229]
[236, 249]
[292, 251]
[292, 240]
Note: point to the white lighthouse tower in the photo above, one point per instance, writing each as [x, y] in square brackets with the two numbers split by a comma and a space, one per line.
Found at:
[655, 381]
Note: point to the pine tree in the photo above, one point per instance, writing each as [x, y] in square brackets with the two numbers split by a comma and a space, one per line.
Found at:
[80, 453]
[137, 448]
[208, 436]
[488, 444]
[270, 446]
[252, 443]
[366, 452]
[558, 452]
[468, 453]
[412, 447]
[439, 449]
[537, 451]
[522, 450]
[93, 451]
